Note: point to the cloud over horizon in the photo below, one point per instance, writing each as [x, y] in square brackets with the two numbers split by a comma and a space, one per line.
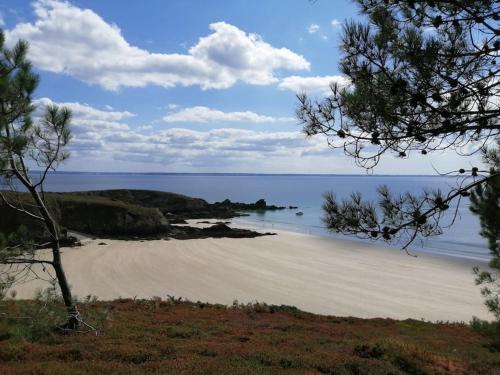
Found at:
[103, 141]
[105, 134]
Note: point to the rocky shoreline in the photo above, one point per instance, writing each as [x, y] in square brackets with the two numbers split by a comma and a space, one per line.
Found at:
[135, 215]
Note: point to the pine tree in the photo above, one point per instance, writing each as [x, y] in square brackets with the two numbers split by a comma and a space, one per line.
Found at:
[24, 143]
[485, 202]
[423, 78]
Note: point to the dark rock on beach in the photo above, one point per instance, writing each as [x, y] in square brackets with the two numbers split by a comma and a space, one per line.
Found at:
[219, 230]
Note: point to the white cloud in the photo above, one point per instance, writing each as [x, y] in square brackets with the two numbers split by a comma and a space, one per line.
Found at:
[86, 112]
[2, 20]
[105, 135]
[145, 127]
[313, 28]
[336, 23]
[89, 123]
[206, 115]
[318, 84]
[78, 42]
[103, 141]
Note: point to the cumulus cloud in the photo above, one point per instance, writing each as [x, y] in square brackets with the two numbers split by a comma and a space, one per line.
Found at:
[318, 84]
[313, 28]
[86, 112]
[78, 42]
[202, 114]
[89, 122]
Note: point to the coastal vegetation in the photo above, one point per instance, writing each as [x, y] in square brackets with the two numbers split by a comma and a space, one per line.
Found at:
[424, 78]
[24, 143]
[485, 202]
[172, 336]
[132, 214]
[179, 207]
[420, 81]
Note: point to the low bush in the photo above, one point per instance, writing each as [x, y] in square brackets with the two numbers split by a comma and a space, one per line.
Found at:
[42, 319]
[490, 330]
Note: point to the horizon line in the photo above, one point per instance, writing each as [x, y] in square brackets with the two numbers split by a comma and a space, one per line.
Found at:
[245, 174]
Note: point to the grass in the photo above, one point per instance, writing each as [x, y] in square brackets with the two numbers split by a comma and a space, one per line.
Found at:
[173, 337]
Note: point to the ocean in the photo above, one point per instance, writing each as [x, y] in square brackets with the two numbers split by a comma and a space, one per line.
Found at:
[462, 240]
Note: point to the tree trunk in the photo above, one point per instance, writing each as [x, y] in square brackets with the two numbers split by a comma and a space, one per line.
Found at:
[72, 322]
[53, 229]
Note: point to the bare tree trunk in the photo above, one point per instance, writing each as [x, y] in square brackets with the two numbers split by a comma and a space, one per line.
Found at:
[72, 322]
[53, 229]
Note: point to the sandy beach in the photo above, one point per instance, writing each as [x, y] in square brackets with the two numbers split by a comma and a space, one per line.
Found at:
[319, 275]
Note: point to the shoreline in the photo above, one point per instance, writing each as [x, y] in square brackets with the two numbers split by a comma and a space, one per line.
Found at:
[317, 275]
[252, 224]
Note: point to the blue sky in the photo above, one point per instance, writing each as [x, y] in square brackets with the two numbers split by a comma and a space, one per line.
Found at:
[190, 85]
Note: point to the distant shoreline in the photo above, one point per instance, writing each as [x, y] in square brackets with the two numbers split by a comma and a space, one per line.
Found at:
[246, 174]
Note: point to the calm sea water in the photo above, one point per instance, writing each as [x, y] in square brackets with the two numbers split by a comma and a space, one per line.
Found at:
[305, 191]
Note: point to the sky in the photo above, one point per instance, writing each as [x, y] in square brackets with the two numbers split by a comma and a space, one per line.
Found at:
[192, 85]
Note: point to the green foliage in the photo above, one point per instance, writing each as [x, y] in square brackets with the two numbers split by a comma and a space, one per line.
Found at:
[11, 220]
[103, 216]
[485, 202]
[41, 319]
[24, 144]
[423, 76]
[166, 202]
[91, 214]
[38, 320]
[15, 244]
[20, 138]
[488, 329]
[394, 218]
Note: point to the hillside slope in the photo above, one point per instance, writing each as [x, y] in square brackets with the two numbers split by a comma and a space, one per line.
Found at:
[171, 337]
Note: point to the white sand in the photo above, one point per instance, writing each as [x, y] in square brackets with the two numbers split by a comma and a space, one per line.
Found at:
[315, 274]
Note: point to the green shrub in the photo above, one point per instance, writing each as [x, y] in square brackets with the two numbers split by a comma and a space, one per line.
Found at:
[488, 329]
[41, 319]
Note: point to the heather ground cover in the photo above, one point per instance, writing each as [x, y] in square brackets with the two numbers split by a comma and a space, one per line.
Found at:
[174, 337]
